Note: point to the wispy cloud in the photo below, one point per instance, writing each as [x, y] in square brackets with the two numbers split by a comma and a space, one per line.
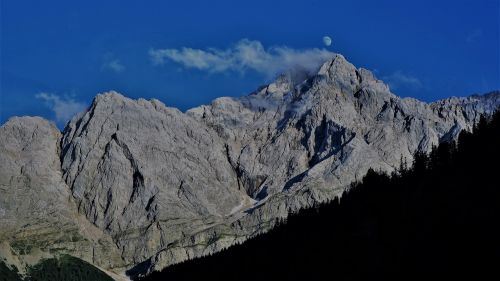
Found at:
[474, 35]
[64, 107]
[113, 65]
[243, 56]
[399, 80]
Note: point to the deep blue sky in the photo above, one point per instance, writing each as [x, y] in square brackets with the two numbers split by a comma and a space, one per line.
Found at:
[71, 50]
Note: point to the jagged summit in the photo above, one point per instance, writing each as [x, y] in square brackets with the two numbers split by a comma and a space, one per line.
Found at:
[162, 186]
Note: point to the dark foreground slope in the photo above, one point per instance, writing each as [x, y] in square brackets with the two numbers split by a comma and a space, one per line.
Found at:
[441, 216]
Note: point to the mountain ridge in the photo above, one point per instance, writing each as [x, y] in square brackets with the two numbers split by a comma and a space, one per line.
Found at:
[436, 217]
[162, 186]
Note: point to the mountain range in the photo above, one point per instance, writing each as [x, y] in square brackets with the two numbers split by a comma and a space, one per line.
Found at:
[133, 186]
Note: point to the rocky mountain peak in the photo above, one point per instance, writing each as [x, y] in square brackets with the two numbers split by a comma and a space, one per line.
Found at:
[338, 61]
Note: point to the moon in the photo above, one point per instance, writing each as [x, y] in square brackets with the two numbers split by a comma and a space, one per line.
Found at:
[327, 40]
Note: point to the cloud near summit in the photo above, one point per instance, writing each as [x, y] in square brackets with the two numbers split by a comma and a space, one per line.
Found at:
[243, 56]
[64, 108]
[399, 80]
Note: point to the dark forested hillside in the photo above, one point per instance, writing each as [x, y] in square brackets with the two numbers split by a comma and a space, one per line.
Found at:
[440, 217]
[63, 268]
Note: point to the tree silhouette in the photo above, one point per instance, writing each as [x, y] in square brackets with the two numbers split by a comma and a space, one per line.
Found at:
[439, 218]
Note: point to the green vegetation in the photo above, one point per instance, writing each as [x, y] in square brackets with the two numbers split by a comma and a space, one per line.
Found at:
[65, 268]
[7, 274]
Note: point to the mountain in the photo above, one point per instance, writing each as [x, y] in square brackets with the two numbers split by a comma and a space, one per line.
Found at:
[437, 218]
[133, 186]
[38, 215]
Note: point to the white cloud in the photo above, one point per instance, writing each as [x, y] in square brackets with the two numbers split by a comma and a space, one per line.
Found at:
[244, 55]
[399, 80]
[113, 65]
[64, 108]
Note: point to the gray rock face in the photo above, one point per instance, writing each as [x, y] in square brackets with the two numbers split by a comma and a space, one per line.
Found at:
[166, 186]
[330, 129]
[138, 169]
[38, 216]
